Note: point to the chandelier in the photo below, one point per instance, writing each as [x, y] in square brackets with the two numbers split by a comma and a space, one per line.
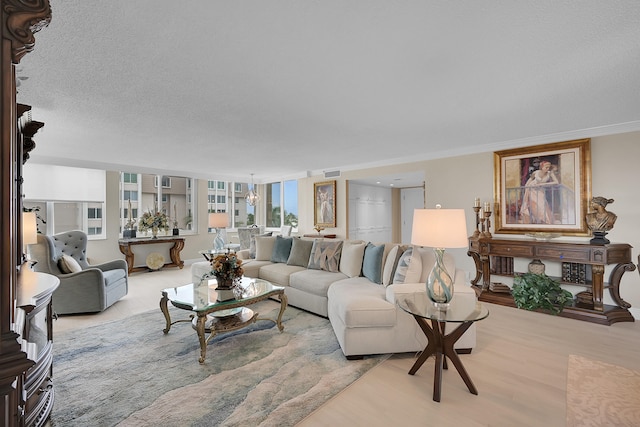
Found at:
[252, 197]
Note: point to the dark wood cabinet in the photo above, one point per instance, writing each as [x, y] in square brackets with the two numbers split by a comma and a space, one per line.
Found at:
[34, 319]
[596, 257]
[20, 20]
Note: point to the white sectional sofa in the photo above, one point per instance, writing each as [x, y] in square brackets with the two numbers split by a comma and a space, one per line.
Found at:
[355, 284]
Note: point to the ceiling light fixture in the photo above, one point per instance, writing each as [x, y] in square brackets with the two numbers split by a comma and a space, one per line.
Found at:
[252, 197]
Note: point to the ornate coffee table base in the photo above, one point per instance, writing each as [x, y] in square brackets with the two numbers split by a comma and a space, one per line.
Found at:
[441, 346]
[223, 324]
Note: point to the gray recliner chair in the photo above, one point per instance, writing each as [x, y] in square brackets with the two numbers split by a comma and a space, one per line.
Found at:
[90, 290]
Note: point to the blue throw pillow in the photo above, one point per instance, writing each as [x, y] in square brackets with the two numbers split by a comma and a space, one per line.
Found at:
[372, 263]
[281, 249]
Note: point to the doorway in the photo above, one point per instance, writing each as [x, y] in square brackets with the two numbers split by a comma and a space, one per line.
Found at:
[410, 199]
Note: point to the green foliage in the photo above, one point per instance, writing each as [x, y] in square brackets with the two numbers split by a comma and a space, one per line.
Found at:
[539, 291]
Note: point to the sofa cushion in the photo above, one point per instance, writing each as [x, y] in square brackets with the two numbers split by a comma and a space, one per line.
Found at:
[252, 244]
[281, 249]
[278, 273]
[325, 255]
[300, 252]
[68, 264]
[372, 262]
[409, 267]
[264, 247]
[351, 258]
[315, 282]
[391, 263]
[361, 304]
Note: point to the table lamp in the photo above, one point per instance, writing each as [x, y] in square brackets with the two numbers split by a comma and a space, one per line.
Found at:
[440, 229]
[218, 220]
[29, 232]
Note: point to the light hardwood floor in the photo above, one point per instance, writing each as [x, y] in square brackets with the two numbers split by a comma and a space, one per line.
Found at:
[519, 368]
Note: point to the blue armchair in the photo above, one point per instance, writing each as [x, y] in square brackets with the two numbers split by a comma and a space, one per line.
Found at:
[88, 288]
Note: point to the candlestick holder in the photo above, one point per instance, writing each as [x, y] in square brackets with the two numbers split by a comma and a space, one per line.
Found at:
[487, 219]
[476, 233]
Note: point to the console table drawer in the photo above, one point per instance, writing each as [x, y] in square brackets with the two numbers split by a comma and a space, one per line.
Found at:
[511, 250]
[563, 254]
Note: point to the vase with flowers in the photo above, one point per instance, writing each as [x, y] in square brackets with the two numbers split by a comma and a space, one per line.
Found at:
[153, 221]
[227, 270]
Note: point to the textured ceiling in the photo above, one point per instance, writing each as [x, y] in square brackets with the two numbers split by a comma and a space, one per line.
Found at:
[286, 88]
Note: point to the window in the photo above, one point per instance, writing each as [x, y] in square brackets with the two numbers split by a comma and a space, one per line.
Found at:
[229, 197]
[175, 196]
[166, 181]
[130, 195]
[62, 207]
[57, 217]
[290, 203]
[282, 204]
[93, 231]
[134, 212]
[130, 178]
[94, 213]
[273, 205]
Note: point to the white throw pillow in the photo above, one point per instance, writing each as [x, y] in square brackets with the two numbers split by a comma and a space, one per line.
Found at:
[409, 267]
[391, 263]
[264, 247]
[68, 264]
[351, 258]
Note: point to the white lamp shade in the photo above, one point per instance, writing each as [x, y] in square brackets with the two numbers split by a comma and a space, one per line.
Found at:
[439, 228]
[218, 220]
[29, 228]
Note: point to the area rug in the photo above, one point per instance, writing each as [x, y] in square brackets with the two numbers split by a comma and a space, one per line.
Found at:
[128, 373]
[601, 394]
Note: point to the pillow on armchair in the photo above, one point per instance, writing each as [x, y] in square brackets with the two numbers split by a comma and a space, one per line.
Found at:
[68, 264]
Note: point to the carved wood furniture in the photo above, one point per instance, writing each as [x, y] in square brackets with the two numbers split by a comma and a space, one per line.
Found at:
[34, 322]
[20, 20]
[126, 247]
[482, 250]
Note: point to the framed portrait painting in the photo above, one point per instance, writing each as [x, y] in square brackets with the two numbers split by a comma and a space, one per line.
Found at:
[543, 188]
[324, 204]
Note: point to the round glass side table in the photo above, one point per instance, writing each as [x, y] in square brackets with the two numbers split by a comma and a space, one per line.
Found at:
[433, 321]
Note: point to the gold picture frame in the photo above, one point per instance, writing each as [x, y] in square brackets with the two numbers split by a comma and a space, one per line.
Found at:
[324, 204]
[543, 188]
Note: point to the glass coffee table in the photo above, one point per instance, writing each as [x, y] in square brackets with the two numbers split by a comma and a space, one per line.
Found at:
[432, 322]
[210, 316]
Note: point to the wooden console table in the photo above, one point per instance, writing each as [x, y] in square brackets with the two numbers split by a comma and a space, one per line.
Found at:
[126, 247]
[483, 249]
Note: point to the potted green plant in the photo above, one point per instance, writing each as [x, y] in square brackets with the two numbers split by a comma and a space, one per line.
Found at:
[539, 291]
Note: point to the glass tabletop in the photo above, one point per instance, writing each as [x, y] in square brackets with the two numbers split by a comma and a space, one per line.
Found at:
[226, 248]
[460, 310]
[202, 296]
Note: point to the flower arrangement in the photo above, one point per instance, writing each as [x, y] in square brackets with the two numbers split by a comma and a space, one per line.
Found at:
[227, 269]
[151, 220]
